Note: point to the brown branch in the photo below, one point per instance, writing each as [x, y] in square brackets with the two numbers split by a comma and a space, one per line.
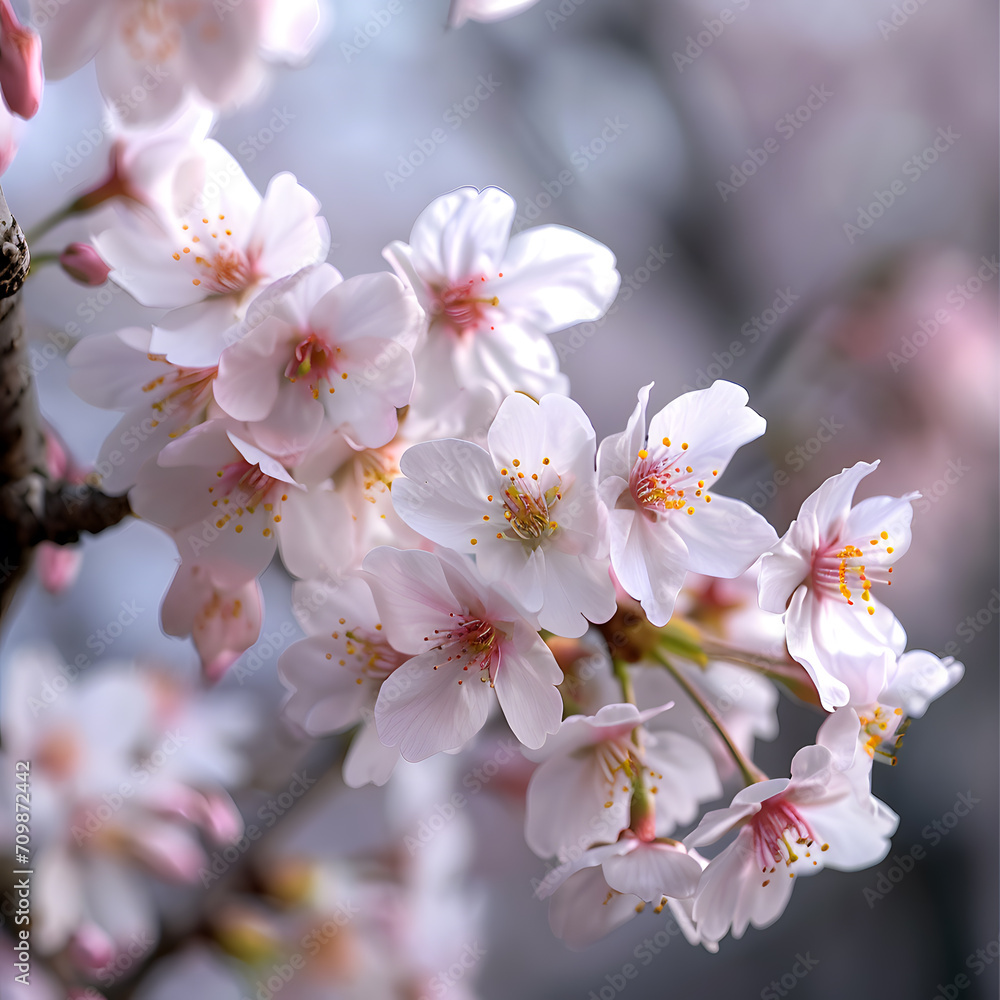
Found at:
[33, 509]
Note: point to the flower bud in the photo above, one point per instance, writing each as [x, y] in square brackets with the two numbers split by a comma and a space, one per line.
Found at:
[83, 264]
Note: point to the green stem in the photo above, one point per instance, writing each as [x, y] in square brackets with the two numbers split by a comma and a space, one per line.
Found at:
[39, 260]
[37, 231]
[750, 772]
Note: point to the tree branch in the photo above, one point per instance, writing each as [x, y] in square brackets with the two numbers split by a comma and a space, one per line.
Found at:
[33, 509]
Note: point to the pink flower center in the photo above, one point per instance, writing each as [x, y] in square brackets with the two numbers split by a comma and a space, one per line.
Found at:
[465, 309]
[473, 642]
[372, 656]
[529, 501]
[313, 360]
[778, 828]
[884, 728]
[837, 567]
[152, 32]
[218, 264]
[241, 488]
[661, 480]
[178, 390]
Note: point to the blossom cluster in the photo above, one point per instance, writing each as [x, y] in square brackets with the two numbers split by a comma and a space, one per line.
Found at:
[465, 552]
[405, 441]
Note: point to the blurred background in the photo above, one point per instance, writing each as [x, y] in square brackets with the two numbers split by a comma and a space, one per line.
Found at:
[803, 199]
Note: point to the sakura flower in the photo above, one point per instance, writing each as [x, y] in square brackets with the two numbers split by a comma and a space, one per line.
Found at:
[151, 172]
[161, 400]
[215, 251]
[464, 639]
[331, 348]
[876, 726]
[485, 10]
[647, 869]
[582, 791]
[169, 49]
[347, 509]
[223, 497]
[584, 908]
[223, 623]
[333, 676]
[527, 508]
[493, 298]
[830, 552]
[127, 770]
[786, 827]
[664, 518]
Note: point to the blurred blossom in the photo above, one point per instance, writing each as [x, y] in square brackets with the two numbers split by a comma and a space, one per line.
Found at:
[128, 768]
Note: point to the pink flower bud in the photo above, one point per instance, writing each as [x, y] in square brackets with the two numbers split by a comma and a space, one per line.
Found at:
[20, 64]
[91, 948]
[58, 566]
[82, 263]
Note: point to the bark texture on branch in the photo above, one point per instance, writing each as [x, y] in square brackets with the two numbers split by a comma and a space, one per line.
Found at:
[33, 508]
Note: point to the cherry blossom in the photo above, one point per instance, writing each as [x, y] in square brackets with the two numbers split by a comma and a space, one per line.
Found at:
[527, 508]
[223, 622]
[876, 725]
[457, 630]
[160, 400]
[664, 516]
[584, 908]
[581, 792]
[649, 869]
[492, 298]
[334, 675]
[485, 10]
[830, 552]
[786, 827]
[127, 769]
[222, 497]
[219, 245]
[170, 49]
[332, 349]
